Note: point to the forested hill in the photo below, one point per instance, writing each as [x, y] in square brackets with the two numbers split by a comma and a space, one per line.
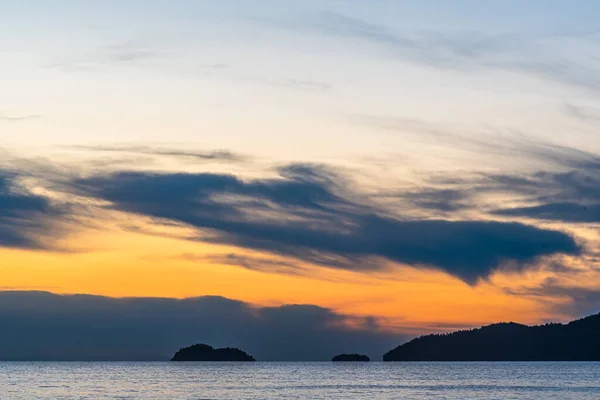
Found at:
[576, 341]
[204, 352]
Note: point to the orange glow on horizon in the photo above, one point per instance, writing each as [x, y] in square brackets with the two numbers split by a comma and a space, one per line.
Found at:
[119, 263]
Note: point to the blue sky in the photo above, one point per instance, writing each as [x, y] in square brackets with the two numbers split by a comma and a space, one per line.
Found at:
[285, 73]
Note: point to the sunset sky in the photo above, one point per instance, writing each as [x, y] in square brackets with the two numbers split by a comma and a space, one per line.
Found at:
[406, 167]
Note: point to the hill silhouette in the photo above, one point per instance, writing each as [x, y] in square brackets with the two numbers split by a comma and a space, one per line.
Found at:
[204, 352]
[350, 357]
[578, 340]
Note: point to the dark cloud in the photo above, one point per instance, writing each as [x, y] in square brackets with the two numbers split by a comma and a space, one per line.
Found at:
[310, 214]
[570, 196]
[567, 212]
[567, 190]
[574, 185]
[44, 326]
[439, 199]
[24, 216]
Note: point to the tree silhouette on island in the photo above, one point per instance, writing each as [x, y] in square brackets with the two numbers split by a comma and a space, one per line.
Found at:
[578, 340]
[350, 357]
[204, 352]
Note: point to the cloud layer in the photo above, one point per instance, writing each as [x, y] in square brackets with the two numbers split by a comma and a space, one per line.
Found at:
[24, 216]
[568, 191]
[45, 326]
[305, 214]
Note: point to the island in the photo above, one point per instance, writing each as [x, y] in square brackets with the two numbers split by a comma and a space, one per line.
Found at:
[576, 341]
[350, 357]
[204, 352]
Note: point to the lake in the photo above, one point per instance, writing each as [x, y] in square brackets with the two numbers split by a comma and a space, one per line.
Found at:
[299, 380]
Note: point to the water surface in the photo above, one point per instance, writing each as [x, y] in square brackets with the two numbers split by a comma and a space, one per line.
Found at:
[264, 380]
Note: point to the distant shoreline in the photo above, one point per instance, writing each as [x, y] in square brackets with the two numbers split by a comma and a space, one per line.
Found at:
[576, 341]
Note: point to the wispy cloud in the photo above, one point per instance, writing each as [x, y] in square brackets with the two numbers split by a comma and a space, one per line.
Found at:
[566, 190]
[215, 155]
[508, 143]
[4, 116]
[298, 84]
[127, 53]
[225, 71]
[253, 263]
[564, 297]
[472, 51]
[589, 115]
[214, 67]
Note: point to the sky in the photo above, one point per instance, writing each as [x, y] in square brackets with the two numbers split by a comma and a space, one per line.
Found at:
[373, 171]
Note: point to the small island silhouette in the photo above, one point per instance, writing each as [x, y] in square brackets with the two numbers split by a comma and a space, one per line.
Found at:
[350, 357]
[204, 352]
[576, 341]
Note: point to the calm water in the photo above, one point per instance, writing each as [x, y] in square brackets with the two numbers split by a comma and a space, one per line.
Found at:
[299, 380]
